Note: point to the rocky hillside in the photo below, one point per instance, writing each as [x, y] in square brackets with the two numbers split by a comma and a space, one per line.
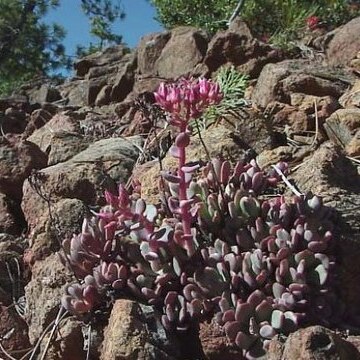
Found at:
[61, 146]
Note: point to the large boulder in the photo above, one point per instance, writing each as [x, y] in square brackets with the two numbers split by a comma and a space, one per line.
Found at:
[107, 77]
[237, 46]
[99, 59]
[60, 123]
[278, 81]
[14, 121]
[149, 50]
[17, 160]
[185, 49]
[351, 98]
[343, 128]
[345, 44]
[68, 185]
[10, 218]
[312, 343]
[134, 333]
[215, 344]
[124, 79]
[13, 332]
[43, 294]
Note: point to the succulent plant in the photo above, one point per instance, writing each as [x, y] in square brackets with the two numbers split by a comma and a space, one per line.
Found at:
[80, 299]
[220, 247]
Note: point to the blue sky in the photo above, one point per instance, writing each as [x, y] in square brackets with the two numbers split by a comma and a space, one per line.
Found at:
[139, 21]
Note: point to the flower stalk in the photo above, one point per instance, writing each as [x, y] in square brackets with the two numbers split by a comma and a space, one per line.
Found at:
[185, 100]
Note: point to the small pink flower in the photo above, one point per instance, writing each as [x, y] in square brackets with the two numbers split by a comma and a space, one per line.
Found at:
[312, 22]
[204, 87]
[187, 97]
[161, 94]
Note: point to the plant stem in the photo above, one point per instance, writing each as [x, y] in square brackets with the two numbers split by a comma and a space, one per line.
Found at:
[186, 220]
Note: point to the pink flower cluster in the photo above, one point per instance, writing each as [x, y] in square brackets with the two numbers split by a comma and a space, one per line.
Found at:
[187, 98]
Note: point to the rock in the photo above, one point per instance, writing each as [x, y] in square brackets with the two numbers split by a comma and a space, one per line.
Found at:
[9, 222]
[104, 96]
[67, 342]
[351, 98]
[59, 124]
[124, 80]
[13, 333]
[103, 58]
[96, 125]
[38, 118]
[342, 125]
[19, 102]
[268, 87]
[46, 93]
[355, 64]
[185, 49]
[83, 92]
[345, 44]
[355, 341]
[252, 132]
[330, 175]
[131, 335]
[17, 160]
[237, 46]
[108, 76]
[43, 294]
[117, 156]
[138, 123]
[312, 84]
[83, 177]
[107, 70]
[273, 156]
[215, 344]
[353, 147]
[277, 81]
[13, 121]
[93, 88]
[149, 50]
[146, 84]
[74, 92]
[12, 280]
[47, 231]
[326, 105]
[64, 146]
[300, 114]
[315, 342]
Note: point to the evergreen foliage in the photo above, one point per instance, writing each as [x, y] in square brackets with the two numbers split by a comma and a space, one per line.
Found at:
[264, 17]
[30, 48]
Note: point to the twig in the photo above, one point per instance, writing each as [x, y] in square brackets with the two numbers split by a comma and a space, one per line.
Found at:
[15, 284]
[6, 336]
[286, 181]
[299, 165]
[316, 124]
[6, 353]
[353, 159]
[236, 11]
[59, 316]
[34, 350]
